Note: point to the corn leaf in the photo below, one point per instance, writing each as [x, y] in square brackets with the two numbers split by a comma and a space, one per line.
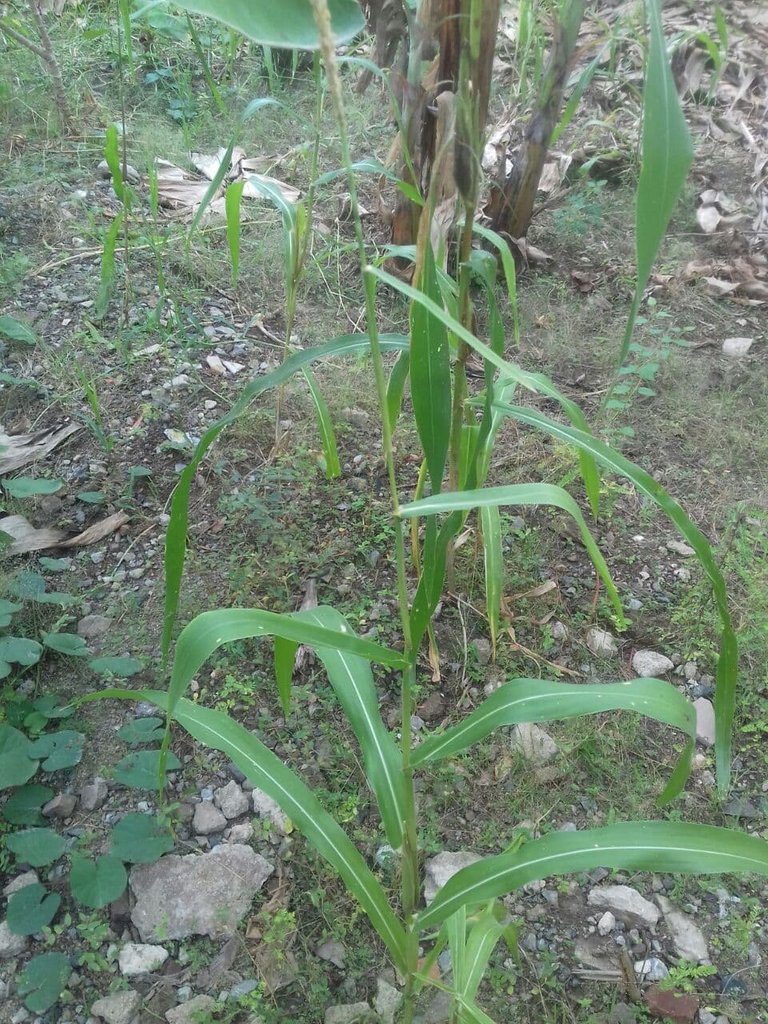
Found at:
[681, 848]
[536, 700]
[493, 559]
[327, 434]
[728, 662]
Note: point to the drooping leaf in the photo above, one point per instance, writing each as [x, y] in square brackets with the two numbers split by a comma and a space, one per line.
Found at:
[519, 494]
[36, 846]
[666, 159]
[327, 434]
[493, 559]
[28, 486]
[31, 908]
[395, 387]
[141, 769]
[682, 848]
[176, 533]
[66, 643]
[140, 839]
[23, 805]
[288, 24]
[430, 365]
[95, 883]
[62, 749]
[16, 762]
[537, 700]
[43, 980]
[217, 730]
[727, 665]
[141, 730]
[116, 666]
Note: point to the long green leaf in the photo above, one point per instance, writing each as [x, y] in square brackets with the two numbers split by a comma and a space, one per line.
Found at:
[431, 375]
[395, 387]
[207, 632]
[666, 160]
[289, 23]
[519, 494]
[352, 681]
[176, 534]
[232, 199]
[493, 558]
[217, 730]
[481, 942]
[536, 700]
[728, 662]
[535, 382]
[327, 434]
[680, 847]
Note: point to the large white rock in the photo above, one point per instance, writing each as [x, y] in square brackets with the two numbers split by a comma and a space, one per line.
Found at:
[140, 958]
[601, 643]
[687, 938]
[199, 894]
[439, 869]
[648, 664]
[625, 902]
[705, 721]
[534, 743]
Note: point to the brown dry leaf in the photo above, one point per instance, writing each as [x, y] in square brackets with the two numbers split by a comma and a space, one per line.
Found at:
[241, 167]
[584, 280]
[20, 449]
[26, 537]
[98, 531]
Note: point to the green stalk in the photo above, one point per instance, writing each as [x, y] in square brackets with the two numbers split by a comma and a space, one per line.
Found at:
[409, 860]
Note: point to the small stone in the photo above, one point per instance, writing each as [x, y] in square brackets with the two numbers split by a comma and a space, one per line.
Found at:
[347, 1013]
[240, 833]
[91, 627]
[649, 664]
[61, 806]
[482, 650]
[356, 417]
[11, 945]
[601, 643]
[266, 807]
[93, 795]
[606, 924]
[439, 869]
[680, 548]
[705, 721]
[387, 1001]
[651, 969]
[687, 938]
[208, 819]
[690, 670]
[559, 631]
[231, 800]
[332, 951]
[534, 743]
[21, 882]
[119, 1008]
[625, 902]
[192, 1011]
[677, 1007]
[737, 346]
[141, 958]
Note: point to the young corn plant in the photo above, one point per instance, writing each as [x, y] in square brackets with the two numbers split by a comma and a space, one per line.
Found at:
[456, 434]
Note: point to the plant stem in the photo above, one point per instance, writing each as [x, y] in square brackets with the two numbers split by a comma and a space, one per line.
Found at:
[409, 859]
[48, 55]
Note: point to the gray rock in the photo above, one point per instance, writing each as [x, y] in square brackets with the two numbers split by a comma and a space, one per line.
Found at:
[140, 958]
[205, 894]
[601, 643]
[61, 806]
[533, 743]
[625, 902]
[11, 945]
[93, 795]
[190, 1012]
[651, 969]
[690, 670]
[680, 548]
[21, 882]
[687, 938]
[208, 819]
[266, 807]
[231, 800]
[348, 1013]
[439, 869]
[332, 951]
[482, 650]
[606, 924]
[91, 627]
[705, 721]
[387, 1001]
[648, 664]
[241, 833]
[737, 346]
[559, 631]
[119, 1008]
